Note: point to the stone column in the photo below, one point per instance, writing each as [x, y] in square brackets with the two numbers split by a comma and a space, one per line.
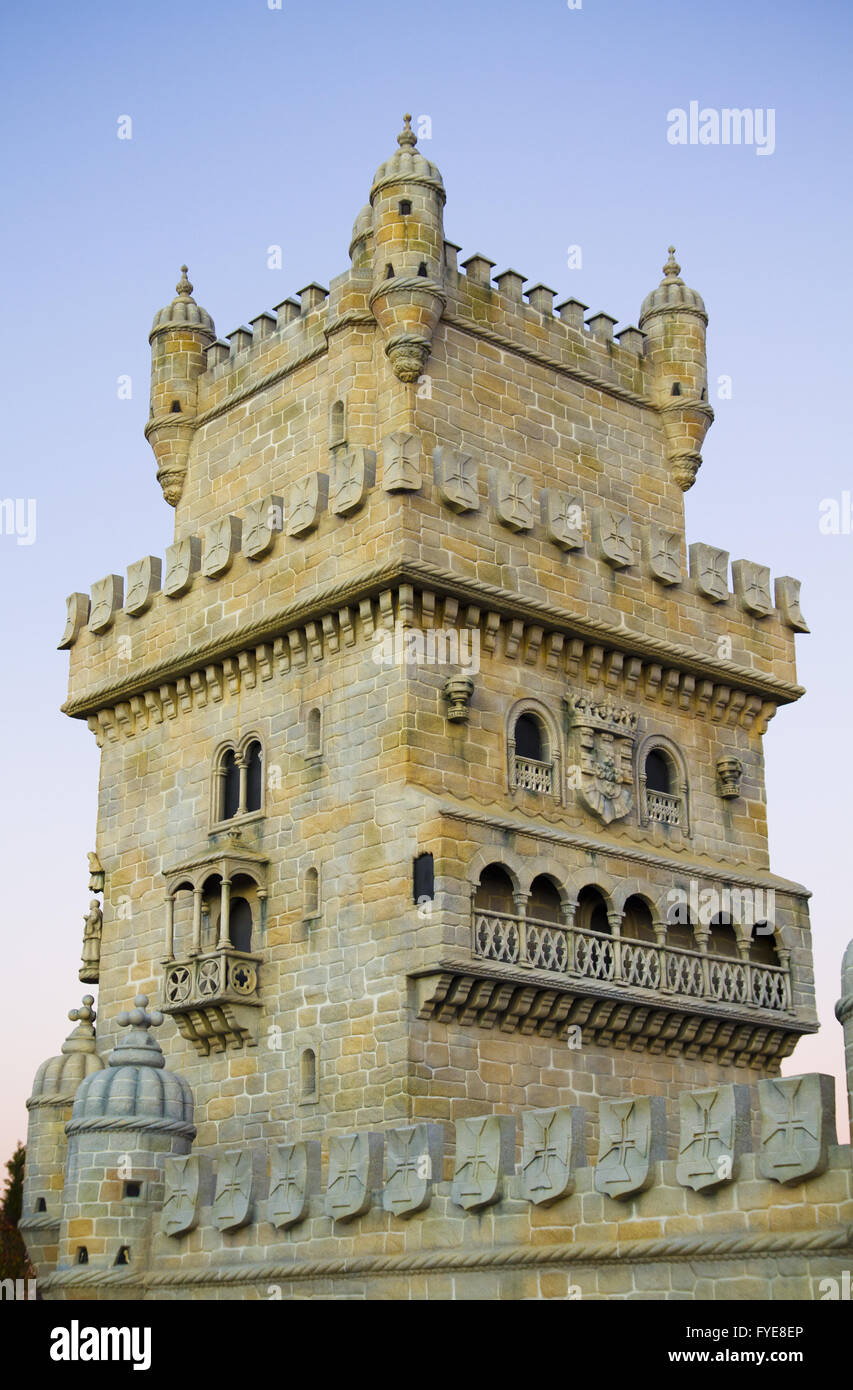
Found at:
[225, 915]
[170, 929]
[196, 946]
[520, 900]
[614, 920]
[844, 1014]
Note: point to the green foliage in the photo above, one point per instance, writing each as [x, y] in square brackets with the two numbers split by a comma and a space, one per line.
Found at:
[14, 1263]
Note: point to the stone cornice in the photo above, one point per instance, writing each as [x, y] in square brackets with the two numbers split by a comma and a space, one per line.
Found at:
[369, 583]
[595, 845]
[135, 1124]
[727, 1245]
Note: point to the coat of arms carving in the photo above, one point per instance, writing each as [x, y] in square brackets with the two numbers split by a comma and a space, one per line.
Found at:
[183, 560]
[601, 757]
[456, 479]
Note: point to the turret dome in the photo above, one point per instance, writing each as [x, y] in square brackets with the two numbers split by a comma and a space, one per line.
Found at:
[58, 1078]
[672, 295]
[135, 1085]
[407, 165]
[183, 310]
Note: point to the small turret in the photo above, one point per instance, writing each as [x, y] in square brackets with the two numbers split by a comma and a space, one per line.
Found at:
[54, 1088]
[126, 1120]
[407, 199]
[674, 319]
[179, 337]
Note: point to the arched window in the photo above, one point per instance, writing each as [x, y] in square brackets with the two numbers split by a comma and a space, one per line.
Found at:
[762, 945]
[238, 780]
[723, 938]
[337, 424]
[254, 777]
[311, 893]
[240, 924]
[637, 922]
[591, 911]
[494, 891]
[662, 784]
[532, 752]
[314, 739]
[423, 878]
[230, 786]
[544, 903]
[679, 928]
[308, 1074]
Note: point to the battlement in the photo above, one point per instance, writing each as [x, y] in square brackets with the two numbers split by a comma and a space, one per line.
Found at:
[481, 1211]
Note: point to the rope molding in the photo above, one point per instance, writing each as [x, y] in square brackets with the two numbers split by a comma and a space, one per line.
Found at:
[120, 1124]
[735, 1246]
[369, 583]
[623, 851]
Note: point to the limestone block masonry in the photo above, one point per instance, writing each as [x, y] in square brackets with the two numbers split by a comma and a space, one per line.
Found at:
[432, 819]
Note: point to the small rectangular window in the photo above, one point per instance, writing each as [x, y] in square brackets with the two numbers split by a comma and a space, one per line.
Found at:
[423, 878]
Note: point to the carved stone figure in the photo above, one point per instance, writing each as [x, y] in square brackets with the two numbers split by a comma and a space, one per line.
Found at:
[97, 876]
[93, 926]
[553, 1146]
[729, 774]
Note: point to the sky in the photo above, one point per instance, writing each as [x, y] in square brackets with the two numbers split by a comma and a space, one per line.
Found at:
[254, 127]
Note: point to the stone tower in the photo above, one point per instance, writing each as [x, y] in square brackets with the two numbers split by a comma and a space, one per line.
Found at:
[432, 779]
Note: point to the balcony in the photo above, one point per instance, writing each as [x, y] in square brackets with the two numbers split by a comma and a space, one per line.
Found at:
[530, 775]
[211, 995]
[661, 808]
[588, 955]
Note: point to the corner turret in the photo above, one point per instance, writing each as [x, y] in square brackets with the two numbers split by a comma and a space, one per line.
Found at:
[126, 1120]
[54, 1088]
[179, 336]
[674, 319]
[407, 201]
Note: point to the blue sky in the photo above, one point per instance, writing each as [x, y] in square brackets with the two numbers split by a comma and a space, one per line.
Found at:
[253, 127]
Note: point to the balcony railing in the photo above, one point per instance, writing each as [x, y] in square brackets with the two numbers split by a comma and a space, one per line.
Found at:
[532, 776]
[662, 808]
[203, 993]
[581, 954]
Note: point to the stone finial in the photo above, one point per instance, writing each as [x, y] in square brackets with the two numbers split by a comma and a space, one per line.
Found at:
[138, 1047]
[671, 268]
[407, 136]
[85, 1015]
[82, 1038]
[183, 287]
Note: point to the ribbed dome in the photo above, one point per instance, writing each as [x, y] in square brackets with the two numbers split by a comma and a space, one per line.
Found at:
[362, 227]
[407, 164]
[183, 310]
[135, 1083]
[61, 1076]
[672, 293]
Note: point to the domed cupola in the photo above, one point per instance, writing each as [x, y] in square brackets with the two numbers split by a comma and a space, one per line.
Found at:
[673, 318]
[361, 242]
[180, 336]
[57, 1079]
[135, 1085]
[407, 300]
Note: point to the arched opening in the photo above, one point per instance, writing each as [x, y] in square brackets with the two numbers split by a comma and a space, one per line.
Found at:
[676, 388]
[229, 803]
[637, 921]
[658, 772]
[254, 776]
[41, 1204]
[311, 892]
[308, 1070]
[315, 732]
[211, 908]
[591, 911]
[337, 431]
[240, 924]
[82, 1255]
[529, 741]
[723, 938]
[495, 891]
[405, 207]
[544, 903]
[679, 928]
[762, 945]
[422, 269]
[123, 1256]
